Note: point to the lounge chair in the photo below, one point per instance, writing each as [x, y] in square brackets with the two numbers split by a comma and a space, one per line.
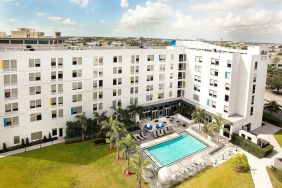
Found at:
[162, 131]
[144, 135]
[155, 134]
[159, 133]
[135, 138]
[140, 137]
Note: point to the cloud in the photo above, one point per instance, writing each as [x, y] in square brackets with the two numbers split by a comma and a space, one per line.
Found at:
[41, 14]
[123, 3]
[102, 21]
[223, 5]
[81, 3]
[153, 13]
[60, 20]
[11, 20]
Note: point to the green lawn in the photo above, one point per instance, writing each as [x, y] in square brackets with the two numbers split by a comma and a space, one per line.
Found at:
[278, 137]
[274, 181]
[220, 177]
[81, 164]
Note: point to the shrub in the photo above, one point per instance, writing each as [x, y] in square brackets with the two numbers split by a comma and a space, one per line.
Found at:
[73, 140]
[4, 147]
[22, 143]
[251, 147]
[240, 163]
[27, 142]
[45, 139]
[277, 172]
[272, 119]
[49, 136]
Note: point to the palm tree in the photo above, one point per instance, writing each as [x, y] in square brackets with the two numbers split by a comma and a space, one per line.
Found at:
[198, 115]
[128, 145]
[273, 107]
[114, 130]
[99, 118]
[217, 125]
[134, 110]
[208, 128]
[82, 121]
[139, 165]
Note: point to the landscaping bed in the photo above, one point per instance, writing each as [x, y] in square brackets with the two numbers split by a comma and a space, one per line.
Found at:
[272, 119]
[250, 147]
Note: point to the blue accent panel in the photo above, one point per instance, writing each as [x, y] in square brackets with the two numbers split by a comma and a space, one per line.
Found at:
[207, 102]
[5, 123]
[225, 75]
[173, 43]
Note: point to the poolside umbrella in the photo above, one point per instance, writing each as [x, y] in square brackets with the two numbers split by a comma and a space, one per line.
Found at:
[159, 126]
[148, 126]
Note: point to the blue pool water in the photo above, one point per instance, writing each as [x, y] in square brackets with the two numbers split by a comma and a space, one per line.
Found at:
[175, 149]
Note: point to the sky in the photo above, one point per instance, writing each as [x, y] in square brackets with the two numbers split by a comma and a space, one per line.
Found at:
[238, 20]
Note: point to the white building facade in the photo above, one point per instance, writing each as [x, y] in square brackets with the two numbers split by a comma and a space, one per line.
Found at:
[42, 89]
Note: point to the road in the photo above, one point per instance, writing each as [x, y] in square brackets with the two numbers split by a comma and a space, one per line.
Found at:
[268, 95]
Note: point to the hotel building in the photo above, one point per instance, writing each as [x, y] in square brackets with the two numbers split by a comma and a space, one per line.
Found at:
[43, 85]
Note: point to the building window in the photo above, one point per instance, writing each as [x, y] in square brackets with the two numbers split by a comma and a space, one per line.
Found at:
[150, 78]
[227, 75]
[198, 69]
[182, 57]
[149, 97]
[162, 57]
[197, 88]
[10, 79]
[11, 94]
[36, 135]
[225, 109]
[76, 73]
[34, 76]
[227, 86]
[11, 107]
[252, 111]
[77, 98]
[214, 72]
[98, 61]
[150, 67]
[229, 64]
[9, 65]
[11, 121]
[76, 110]
[76, 85]
[160, 95]
[212, 93]
[198, 59]
[54, 132]
[196, 97]
[16, 139]
[253, 99]
[197, 78]
[254, 89]
[256, 65]
[76, 60]
[117, 59]
[35, 104]
[214, 61]
[35, 90]
[35, 117]
[150, 57]
[213, 83]
[34, 63]
[226, 98]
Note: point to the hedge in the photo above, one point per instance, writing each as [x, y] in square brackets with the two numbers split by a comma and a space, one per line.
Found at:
[272, 119]
[250, 147]
[72, 140]
[277, 172]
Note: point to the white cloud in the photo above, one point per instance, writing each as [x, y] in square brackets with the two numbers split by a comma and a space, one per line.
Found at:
[279, 16]
[81, 3]
[102, 21]
[68, 21]
[55, 19]
[41, 14]
[60, 20]
[11, 20]
[223, 5]
[124, 3]
[153, 13]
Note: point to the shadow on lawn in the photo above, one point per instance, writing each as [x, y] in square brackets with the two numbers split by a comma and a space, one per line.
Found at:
[81, 153]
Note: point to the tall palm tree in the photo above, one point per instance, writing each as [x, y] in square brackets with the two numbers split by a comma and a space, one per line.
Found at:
[99, 117]
[273, 107]
[134, 110]
[217, 125]
[114, 129]
[139, 165]
[198, 115]
[128, 145]
[82, 121]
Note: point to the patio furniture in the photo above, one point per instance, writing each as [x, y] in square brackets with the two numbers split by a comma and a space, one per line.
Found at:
[166, 130]
[155, 134]
[139, 137]
[148, 126]
[156, 120]
[162, 131]
[160, 126]
[144, 135]
[159, 133]
[135, 138]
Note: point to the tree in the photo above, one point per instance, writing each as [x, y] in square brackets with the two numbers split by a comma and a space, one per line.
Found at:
[240, 163]
[217, 125]
[128, 145]
[134, 110]
[99, 117]
[272, 107]
[198, 115]
[82, 121]
[139, 165]
[208, 128]
[114, 129]
[274, 78]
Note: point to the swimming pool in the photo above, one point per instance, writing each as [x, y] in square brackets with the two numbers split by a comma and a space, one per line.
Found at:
[174, 149]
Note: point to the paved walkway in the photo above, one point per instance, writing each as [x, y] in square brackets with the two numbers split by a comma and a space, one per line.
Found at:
[258, 166]
[60, 140]
[268, 95]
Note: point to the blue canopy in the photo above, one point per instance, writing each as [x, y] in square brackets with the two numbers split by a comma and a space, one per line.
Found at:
[160, 125]
[148, 126]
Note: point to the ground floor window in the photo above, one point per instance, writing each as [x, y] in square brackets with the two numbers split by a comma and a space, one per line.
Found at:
[16, 139]
[36, 135]
[54, 132]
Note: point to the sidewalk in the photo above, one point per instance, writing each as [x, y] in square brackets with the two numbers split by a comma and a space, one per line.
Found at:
[60, 140]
